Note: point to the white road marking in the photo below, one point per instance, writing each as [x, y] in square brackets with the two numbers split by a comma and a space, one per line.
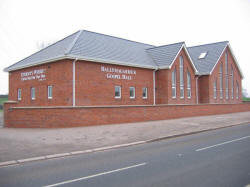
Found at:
[216, 145]
[96, 175]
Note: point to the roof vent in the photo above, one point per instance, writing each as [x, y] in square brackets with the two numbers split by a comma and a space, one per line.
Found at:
[203, 55]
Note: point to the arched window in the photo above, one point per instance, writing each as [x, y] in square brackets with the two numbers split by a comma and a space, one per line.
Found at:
[226, 74]
[215, 88]
[174, 83]
[181, 78]
[232, 82]
[188, 85]
[221, 80]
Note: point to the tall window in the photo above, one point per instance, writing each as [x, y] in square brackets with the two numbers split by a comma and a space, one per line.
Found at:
[221, 80]
[118, 92]
[232, 82]
[50, 92]
[144, 93]
[215, 89]
[181, 78]
[188, 85]
[226, 75]
[132, 92]
[237, 90]
[19, 94]
[33, 93]
[174, 83]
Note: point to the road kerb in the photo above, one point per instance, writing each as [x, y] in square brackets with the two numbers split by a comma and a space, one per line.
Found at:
[52, 156]
[31, 159]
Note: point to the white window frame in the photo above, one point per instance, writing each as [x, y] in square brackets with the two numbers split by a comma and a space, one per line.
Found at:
[133, 91]
[146, 93]
[232, 83]
[226, 75]
[33, 93]
[120, 91]
[237, 90]
[215, 89]
[189, 91]
[19, 94]
[221, 80]
[182, 92]
[173, 77]
[50, 95]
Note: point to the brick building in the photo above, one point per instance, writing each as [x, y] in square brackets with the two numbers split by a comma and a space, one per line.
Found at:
[90, 69]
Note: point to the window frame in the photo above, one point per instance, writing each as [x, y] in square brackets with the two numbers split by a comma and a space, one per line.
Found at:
[133, 89]
[215, 89]
[33, 93]
[226, 75]
[50, 96]
[189, 88]
[173, 83]
[237, 90]
[232, 82]
[145, 97]
[182, 91]
[19, 94]
[120, 91]
[221, 80]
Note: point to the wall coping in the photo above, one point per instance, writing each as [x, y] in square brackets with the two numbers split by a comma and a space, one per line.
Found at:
[118, 106]
[10, 102]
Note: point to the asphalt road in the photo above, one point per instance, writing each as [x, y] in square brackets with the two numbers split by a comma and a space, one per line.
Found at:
[216, 158]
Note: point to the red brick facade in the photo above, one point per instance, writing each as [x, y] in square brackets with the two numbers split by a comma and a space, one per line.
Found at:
[206, 87]
[95, 101]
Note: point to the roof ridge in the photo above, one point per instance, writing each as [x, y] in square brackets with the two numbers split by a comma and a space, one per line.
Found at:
[166, 45]
[208, 44]
[117, 37]
[73, 42]
[41, 50]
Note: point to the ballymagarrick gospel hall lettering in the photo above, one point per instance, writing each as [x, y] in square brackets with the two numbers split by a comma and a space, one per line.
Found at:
[116, 73]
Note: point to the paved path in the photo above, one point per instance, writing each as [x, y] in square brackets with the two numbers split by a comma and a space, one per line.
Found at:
[25, 143]
[215, 158]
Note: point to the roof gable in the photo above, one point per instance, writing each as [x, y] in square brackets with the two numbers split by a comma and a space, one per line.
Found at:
[213, 53]
[165, 55]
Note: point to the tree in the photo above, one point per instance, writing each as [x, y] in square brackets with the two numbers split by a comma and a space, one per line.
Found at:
[41, 45]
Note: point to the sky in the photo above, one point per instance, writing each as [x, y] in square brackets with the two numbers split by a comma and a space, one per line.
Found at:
[26, 24]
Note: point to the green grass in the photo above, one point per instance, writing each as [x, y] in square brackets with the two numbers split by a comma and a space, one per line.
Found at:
[2, 100]
[246, 99]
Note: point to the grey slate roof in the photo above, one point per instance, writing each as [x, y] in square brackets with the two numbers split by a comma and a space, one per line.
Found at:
[104, 48]
[91, 45]
[51, 52]
[163, 56]
[214, 51]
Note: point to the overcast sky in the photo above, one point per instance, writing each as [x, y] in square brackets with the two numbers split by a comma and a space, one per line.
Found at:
[25, 24]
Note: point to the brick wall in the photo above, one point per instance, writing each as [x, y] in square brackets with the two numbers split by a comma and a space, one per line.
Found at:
[85, 116]
[95, 87]
[58, 74]
[206, 92]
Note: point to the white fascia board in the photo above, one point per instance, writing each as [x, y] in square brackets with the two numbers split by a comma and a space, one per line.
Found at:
[175, 57]
[192, 63]
[79, 58]
[111, 62]
[237, 64]
[186, 51]
[234, 58]
[8, 69]
[218, 59]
